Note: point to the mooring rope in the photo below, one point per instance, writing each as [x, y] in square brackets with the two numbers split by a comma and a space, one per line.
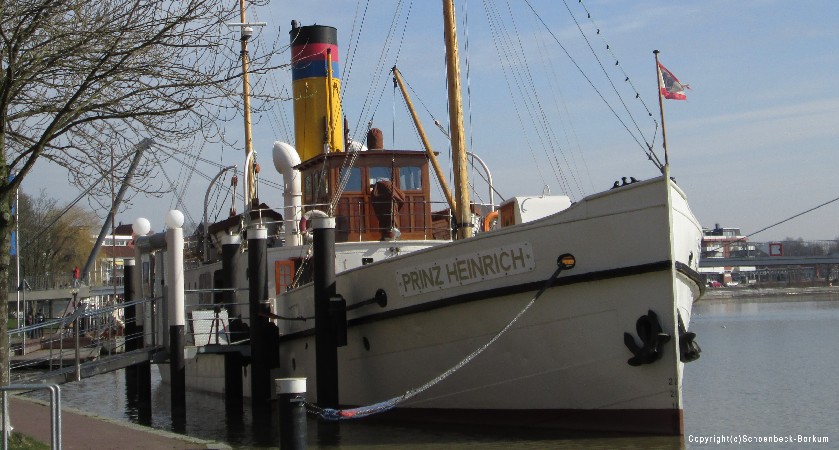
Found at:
[364, 411]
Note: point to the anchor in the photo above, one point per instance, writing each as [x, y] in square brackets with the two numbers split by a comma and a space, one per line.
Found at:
[688, 349]
[652, 338]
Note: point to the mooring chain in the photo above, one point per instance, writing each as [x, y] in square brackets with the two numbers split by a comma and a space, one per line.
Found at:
[566, 261]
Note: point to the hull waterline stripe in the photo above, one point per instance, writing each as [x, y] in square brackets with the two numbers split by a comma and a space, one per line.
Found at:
[511, 290]
[647, 421]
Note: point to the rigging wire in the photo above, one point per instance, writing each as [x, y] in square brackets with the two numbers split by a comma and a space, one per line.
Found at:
[647, 151]
[471, 133]
[177, 196]
[517, 58]
[563, 114]
[263, 181]
[377, 84]
[353, 47]
[550, 136]
[515, 55]
[500, 47]
[351, 157]
[600, 63]
[794, 216]
[416, 96]
[611, 52]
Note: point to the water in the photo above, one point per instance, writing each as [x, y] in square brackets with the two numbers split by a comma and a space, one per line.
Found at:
[768, 371]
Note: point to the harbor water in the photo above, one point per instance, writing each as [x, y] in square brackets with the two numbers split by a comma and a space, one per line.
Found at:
[767, 378]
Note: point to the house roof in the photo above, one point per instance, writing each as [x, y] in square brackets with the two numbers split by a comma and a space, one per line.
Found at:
[124, 229]
[108, 252]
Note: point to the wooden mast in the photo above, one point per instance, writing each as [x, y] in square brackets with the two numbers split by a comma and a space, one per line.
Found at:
[246, 88]
[463, 214]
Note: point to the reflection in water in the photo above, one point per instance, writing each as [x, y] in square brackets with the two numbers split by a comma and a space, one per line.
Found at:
[766, 368]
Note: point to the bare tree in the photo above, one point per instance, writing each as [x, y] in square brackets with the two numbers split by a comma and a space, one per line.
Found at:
[82, 82]
[53, 239]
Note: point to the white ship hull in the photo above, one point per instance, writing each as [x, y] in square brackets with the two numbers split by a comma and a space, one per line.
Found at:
[564, 362]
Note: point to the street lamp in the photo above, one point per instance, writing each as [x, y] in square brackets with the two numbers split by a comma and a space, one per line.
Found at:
[175, 289]
[174, 219]
[141, 226]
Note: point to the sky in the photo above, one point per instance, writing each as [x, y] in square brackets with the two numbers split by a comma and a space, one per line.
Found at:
[755, 143]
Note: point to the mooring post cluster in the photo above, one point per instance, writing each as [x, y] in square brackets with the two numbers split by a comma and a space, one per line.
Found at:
[291, 392]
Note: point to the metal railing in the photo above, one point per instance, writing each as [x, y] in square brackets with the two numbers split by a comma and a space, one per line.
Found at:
[209, 323]
[55, 411]
[89, 328]
[790, 248]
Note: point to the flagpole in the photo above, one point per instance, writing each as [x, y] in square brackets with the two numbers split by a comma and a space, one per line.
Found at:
[661, 108]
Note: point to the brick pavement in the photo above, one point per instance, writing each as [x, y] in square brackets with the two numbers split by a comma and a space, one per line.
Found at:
[85, 431]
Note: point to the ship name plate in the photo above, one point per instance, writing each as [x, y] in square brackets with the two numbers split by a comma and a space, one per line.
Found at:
[466, 269]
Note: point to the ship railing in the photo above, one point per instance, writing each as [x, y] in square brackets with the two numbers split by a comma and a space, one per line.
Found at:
[356, 218]
[209, 323]
[356, 221]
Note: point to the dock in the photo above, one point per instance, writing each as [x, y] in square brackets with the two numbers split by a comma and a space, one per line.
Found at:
[38, 357]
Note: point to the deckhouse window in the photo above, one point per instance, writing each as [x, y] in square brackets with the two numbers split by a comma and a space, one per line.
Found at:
[307, 189]
[354, 182]
[314, 188]
[410, 178]
[379, 174]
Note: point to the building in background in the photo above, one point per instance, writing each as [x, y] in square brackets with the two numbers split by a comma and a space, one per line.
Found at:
[720, 243]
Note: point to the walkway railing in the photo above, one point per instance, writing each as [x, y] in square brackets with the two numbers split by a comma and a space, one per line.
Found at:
[84, 334]
[55, 410]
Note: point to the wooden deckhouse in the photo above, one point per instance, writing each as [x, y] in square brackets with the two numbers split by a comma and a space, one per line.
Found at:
[387, 195]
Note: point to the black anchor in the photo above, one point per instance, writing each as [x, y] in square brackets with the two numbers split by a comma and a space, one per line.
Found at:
[688, 349]
[652, 338]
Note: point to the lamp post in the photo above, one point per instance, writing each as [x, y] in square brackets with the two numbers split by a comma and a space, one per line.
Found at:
[76, 329]
[175, 289]
[143, 317]
[141, 227]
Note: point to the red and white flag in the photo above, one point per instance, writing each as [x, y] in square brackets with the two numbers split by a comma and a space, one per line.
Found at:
[671, 87]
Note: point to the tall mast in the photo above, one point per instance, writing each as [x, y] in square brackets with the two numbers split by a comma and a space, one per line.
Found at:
[463, 214]
[246, 33]
[661, 108]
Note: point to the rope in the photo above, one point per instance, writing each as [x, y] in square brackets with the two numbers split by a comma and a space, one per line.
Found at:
[364, 411]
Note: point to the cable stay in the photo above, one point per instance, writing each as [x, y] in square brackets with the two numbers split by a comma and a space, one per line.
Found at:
[794, 216]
